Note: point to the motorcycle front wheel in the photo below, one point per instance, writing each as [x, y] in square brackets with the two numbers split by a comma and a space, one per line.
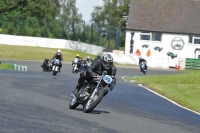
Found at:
[54, 73]
[92, 103]
[73, 103]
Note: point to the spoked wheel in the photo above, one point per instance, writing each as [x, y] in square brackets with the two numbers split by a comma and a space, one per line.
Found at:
[73, 103]
[93, 102]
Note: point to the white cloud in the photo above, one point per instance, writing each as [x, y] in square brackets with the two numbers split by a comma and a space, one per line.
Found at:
[86, 7]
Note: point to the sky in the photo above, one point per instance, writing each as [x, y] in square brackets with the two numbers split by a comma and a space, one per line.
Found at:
[85, 7]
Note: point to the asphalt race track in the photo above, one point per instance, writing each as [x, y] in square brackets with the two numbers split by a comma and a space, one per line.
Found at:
[37, 102]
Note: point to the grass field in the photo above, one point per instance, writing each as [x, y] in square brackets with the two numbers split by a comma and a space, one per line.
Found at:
[37, 53]
[182, 88]
[5, 66]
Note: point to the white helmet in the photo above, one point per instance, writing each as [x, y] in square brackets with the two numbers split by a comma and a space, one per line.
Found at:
[58, 52]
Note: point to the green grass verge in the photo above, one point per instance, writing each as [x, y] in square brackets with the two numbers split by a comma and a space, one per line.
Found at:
[182, 88]
[6, 66]
[37, 53]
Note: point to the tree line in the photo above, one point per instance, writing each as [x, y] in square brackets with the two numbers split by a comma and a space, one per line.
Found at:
[60, 19]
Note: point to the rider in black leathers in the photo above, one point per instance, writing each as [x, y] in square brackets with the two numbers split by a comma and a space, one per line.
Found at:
[58, 55]
[86, 61]
[45, 65]
[97, 68]
[98, 57]
[142, 60]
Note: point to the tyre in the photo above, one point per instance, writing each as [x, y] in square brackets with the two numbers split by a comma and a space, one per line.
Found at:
[91, 104]
[54, 73]
[144, 71]
[73, 103]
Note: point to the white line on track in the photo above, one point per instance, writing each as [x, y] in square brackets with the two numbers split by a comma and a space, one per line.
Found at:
[123, 77]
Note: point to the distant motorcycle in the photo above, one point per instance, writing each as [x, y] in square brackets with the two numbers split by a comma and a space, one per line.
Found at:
[55, 66]
[143, 67]
[47, 67]
[88, 64]
[91, 93]
[75, 68]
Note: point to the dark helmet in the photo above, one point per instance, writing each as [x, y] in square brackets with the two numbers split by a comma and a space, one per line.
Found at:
[99, 56]
[107, 61]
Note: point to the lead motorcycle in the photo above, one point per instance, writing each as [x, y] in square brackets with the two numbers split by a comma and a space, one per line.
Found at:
[55, 66]
[143, 67]
[91, 93]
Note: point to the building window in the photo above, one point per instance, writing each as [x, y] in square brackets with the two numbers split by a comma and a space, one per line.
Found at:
[194, 39]
[156, 36]
[151, 36]
[145, 36]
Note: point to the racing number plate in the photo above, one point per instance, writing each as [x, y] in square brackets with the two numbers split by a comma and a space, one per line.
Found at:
[107, 79]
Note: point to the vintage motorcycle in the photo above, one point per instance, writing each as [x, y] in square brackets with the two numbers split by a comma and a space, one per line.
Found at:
[75, 68]
[91, 93]
[85, 66]
[55, 66]
[47, 65]
[143, 67]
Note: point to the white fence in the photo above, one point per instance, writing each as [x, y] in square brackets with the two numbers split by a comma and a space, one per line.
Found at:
[50, 43]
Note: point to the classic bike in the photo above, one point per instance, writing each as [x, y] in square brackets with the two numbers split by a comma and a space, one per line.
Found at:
[91, 93]
[75, 68]
[55, 66]
[86, 65]
[143, 67]
[47, 66]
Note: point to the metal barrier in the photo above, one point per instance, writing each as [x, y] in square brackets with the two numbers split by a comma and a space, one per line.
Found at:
[193, 64]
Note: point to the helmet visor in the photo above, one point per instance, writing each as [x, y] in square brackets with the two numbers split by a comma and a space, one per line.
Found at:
[107, 64]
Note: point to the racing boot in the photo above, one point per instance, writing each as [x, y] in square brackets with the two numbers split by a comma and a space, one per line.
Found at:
[78, 87]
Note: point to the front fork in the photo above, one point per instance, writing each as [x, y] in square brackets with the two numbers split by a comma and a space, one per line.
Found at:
[96, 89]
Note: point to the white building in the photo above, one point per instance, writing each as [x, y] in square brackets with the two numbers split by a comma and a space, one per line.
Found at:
[170, 29]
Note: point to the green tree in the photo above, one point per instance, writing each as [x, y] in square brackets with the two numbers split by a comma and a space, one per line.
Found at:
[70, 18]
[110, 15]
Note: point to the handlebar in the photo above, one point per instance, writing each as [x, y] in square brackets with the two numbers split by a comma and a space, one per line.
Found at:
[97, 76]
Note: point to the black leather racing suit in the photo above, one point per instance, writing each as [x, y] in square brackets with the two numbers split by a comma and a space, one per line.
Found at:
[86, 61]
[142, 60]
[97, 69]
[45, 64]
